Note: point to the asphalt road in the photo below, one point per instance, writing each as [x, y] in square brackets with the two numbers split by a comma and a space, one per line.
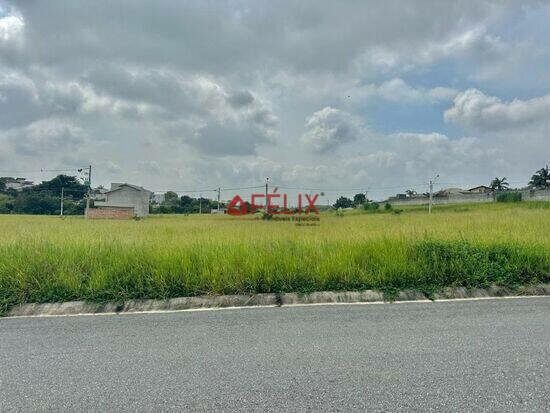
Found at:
[491, 355]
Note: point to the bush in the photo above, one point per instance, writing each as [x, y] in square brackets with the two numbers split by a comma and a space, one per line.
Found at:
[388, 207]
[466, 264]
[6, 204]
[371, 206]
[343, 202]
[509, 197]
[36, 203]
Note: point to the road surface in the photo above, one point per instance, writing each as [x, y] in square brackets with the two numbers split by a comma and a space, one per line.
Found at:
[490, 355]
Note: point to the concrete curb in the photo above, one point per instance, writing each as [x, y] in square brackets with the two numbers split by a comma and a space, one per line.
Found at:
[228, 301]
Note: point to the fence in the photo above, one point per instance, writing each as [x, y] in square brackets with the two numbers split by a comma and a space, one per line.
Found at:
[466, 198]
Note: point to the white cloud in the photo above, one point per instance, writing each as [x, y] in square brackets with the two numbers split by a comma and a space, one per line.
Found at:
[472, 42]
[330, 128]
[460, 44]
[112, 168]
[24, 100]
[150, 167]
[199, 110]
[476, 110]
[45, 136]
[11, 28]
[219, 94]
[397, 90]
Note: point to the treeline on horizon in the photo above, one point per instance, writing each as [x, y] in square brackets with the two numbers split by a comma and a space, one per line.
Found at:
[174, 204]
[45, 198]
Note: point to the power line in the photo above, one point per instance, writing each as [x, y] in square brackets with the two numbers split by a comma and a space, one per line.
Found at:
[380, 188]
[246, 187]
[208, 190]
[370, 188]
[43, 170]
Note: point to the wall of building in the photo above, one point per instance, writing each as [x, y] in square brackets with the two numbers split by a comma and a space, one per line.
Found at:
[128, 197]
[110, 213]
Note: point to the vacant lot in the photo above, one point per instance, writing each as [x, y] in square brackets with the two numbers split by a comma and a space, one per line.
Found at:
[49, 259]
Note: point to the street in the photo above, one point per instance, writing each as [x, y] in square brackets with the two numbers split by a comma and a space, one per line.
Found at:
[484, 355]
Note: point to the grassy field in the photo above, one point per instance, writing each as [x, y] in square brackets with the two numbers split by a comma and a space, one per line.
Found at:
[46, 259]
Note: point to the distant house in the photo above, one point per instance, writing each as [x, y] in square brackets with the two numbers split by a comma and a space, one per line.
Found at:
[17, 183]
[448, 192]
[482, 189]
[121, 201]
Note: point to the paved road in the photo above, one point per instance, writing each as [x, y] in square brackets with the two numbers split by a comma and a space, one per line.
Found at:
[489, 355]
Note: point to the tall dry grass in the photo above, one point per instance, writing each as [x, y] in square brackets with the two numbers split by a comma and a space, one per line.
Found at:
[48, 259]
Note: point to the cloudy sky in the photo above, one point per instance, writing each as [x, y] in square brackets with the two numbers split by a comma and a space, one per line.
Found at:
[336, 95]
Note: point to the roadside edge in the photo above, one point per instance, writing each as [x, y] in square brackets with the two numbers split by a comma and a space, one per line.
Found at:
[266, 300]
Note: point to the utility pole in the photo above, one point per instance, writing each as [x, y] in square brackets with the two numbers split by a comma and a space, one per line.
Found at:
[200, 204]
[432, 181]
[431, 197]
[219, 189]
[266, 191]
[62, 194]
[89, 189]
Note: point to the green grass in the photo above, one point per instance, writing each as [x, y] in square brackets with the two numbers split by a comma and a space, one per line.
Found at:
[44, 259]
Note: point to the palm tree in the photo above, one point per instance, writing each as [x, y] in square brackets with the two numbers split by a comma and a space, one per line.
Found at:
[541, 179]
[499, 184]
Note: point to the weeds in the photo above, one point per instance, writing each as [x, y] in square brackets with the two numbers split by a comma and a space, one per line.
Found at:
[44, 259]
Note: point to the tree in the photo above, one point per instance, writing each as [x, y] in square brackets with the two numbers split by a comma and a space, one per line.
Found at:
[44, 198]
[541, 179]
[359, 199]
[74, 207]
[343, 202]
[2, 185]
[36, 203]
[499, 184]
[6, 204]
[171, 198]
[186, 200]
[72, 186]
[189, 204]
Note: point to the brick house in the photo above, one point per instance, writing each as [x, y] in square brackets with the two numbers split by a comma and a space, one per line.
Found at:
[122, 201]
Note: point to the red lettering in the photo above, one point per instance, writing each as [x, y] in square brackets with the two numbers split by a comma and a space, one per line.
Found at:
[271, 206]
[311, 207]
[253, 205]
[238, 207]
[285, 205]
[232, 210]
